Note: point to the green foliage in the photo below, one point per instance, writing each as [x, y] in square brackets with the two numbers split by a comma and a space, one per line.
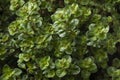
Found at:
[9, 74]
[59, 39]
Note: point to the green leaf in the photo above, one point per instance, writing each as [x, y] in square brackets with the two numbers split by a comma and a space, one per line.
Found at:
[61, 73]
[15, 4]
[22, 65]
[49, 73]
[28, 9]
[116, 73]
[85, 74]
[96, 34]
[24, 57]
[12, 28]
[3, 50]
[74, 8]
[74, 69]
[63, 63]
[88, 64]
[7, 73]
[110, 70]
[100, 55]
[116, 62]
[17, 72]
[4, 38]
[44, 62]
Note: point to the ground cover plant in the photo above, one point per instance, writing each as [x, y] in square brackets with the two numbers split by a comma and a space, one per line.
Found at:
[59, 39]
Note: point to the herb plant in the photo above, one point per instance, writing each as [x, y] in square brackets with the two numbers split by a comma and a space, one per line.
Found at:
[59, 39]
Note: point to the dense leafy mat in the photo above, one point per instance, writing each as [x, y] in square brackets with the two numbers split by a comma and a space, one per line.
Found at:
[59, 39]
